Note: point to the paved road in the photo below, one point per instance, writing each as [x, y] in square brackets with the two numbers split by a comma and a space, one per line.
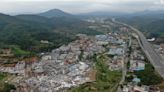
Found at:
[151, 54]
[124, 72]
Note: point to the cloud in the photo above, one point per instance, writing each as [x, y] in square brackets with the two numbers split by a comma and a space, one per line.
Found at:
[79, 6]
[162, 1]
[159, 2]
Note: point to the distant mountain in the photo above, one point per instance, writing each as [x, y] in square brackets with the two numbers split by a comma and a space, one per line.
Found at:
[55, 13]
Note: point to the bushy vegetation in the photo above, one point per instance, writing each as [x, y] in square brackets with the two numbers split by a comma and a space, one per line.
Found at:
[2, 76]
[149, 76]
[6, 87]
[19, 52]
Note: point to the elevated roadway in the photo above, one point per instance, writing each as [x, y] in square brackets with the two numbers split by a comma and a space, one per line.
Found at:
[154, 58]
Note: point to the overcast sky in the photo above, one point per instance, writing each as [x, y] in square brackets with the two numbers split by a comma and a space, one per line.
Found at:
[79, 6]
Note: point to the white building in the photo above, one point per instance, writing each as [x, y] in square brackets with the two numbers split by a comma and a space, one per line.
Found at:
[116, 51]
[137, 65]
[46, 57]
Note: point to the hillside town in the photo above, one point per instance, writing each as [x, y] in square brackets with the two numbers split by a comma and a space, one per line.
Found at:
[69, 65]
[73, 65]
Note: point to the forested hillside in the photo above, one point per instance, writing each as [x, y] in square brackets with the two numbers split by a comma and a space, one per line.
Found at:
[26, 31]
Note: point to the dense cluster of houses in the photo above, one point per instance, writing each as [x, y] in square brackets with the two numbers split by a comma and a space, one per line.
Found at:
[144, 88]
[137, 58]
[116, 46]
[19, 68]
[69, 65]
[64, 67]
[136, 63]
[160, 49]
[116, 63]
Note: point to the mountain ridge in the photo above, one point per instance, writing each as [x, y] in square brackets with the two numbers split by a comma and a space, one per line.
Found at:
[55, 13]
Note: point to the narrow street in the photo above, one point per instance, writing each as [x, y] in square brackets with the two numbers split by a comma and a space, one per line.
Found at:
[124, 72]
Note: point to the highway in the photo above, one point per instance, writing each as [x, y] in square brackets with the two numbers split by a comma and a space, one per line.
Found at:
[151, 54]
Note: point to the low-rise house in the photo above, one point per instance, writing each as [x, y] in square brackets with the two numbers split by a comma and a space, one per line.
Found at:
[102, 42]
[136, 55]
[44, 41]
[135, 88]
[136, 65]
[140, 89]
[125, 89]
[62, 56]
[101, 37]
[116, 51]
[46, 57]
[64, 48]
[116, 63]
[119, 41]
[136, 80]
[19, 68]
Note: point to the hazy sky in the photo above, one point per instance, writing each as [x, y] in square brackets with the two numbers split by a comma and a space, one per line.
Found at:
[79, 6]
